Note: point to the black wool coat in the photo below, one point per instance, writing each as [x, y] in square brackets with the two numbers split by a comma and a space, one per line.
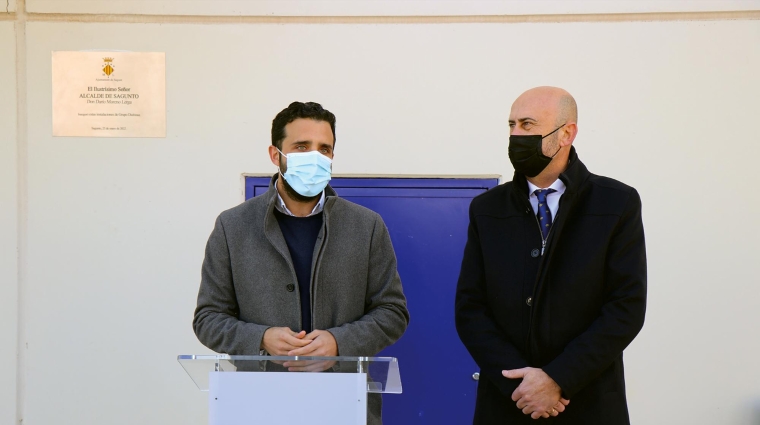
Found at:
[570, 311]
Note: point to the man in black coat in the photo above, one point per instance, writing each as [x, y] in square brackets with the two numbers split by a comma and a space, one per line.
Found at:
[553, 281]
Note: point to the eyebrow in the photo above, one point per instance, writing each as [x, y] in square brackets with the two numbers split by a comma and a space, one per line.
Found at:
[309, 143]
[524, 119]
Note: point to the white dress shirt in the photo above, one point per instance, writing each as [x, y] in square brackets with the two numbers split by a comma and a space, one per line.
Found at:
[552, 199]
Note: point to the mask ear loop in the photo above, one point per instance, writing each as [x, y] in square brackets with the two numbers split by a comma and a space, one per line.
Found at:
[555, 130]
[279, 167]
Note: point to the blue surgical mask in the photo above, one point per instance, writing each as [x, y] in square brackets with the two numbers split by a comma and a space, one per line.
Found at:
[307, 172]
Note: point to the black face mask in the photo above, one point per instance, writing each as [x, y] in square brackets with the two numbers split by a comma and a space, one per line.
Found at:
[526, 155]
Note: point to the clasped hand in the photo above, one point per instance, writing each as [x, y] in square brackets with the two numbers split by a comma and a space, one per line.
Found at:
[537, 395]
[285, 342]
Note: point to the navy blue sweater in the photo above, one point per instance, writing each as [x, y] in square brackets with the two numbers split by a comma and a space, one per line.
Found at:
[301, 235]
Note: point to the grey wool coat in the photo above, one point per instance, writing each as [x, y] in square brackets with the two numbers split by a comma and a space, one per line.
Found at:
[356, 291]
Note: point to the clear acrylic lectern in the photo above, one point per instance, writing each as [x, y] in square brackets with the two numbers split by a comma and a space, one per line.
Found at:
[268, 389]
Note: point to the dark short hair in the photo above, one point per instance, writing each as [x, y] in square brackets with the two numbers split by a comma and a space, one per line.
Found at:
[296, 110]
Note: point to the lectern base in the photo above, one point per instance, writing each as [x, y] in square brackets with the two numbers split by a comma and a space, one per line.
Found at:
[287, 397]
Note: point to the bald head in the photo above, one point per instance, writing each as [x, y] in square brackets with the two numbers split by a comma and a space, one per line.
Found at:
[550, 103]
[567, 109]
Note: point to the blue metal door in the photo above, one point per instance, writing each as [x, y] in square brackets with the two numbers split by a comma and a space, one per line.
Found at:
[427, 220]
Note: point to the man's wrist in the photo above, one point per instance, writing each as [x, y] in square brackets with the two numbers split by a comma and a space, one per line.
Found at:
[261, 343]
[555, 383]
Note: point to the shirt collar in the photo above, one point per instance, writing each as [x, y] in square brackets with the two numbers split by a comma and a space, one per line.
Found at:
[558, 185]
[280, 205]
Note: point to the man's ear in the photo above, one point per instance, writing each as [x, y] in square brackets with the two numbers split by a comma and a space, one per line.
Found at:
[274, 156]
[569, 131]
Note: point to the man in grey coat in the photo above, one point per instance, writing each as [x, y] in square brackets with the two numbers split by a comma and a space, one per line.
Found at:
[299, 271]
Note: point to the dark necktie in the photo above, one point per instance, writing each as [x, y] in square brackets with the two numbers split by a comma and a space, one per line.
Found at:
[544, 215]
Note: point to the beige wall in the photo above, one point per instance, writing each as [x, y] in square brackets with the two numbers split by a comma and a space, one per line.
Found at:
[8, 224]
[381, 7]
[116, 227]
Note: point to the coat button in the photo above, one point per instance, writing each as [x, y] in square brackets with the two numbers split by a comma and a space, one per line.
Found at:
[291, 287]
[529, 301]
[535, 253]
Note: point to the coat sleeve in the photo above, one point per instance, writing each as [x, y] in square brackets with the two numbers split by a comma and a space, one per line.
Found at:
[622, 314]
[386, 316]
[216, 322]
[488, 345]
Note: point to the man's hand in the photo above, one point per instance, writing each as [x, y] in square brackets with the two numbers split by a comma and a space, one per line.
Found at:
[281, 341]
[322, 344]
[538, 395]
[557, 409]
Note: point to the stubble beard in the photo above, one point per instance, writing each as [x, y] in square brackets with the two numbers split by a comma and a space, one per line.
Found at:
[553, 146]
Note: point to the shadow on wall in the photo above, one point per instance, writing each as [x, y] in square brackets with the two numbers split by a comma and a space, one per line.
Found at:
[756, 412]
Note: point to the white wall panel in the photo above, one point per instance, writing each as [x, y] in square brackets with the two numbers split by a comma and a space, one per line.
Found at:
[8, 224]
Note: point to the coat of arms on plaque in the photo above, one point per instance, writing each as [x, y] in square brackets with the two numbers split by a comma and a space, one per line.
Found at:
[107, 67]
